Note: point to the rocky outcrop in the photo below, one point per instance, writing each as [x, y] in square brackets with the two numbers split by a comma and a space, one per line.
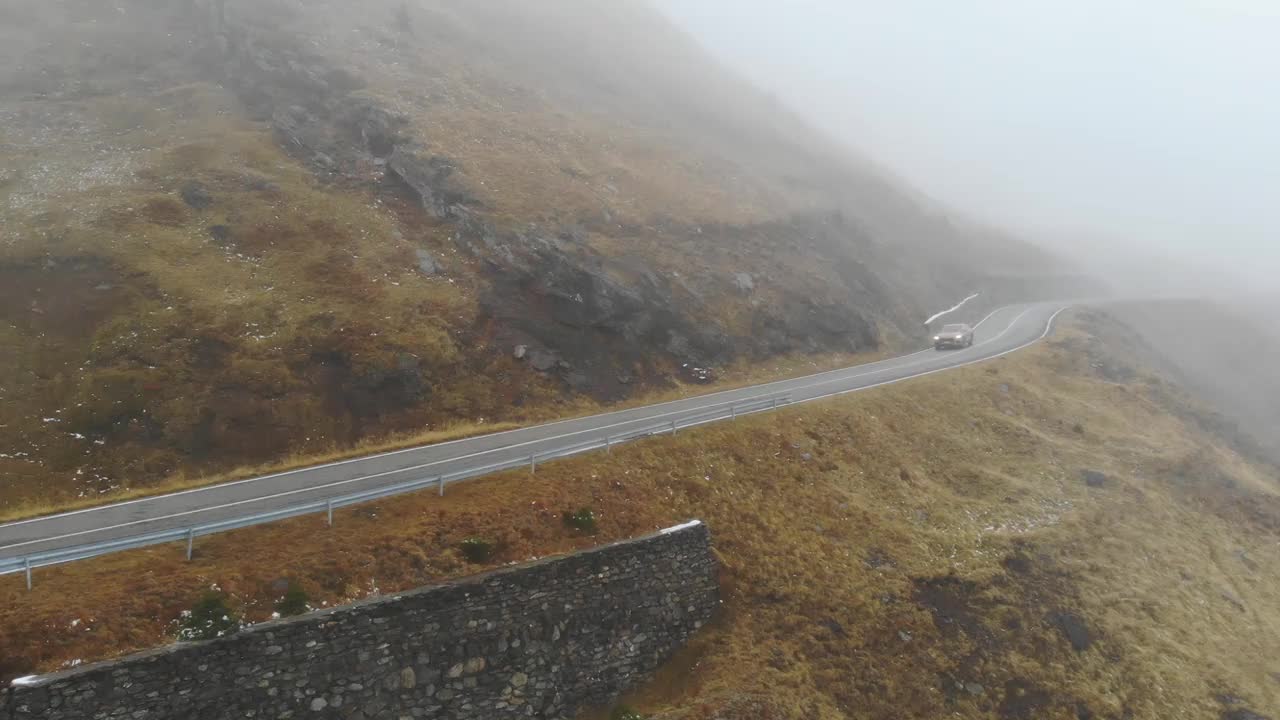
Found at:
[594, 321]
[428, 177]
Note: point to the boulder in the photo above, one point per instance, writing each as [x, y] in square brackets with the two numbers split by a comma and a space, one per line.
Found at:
[744, 282]
[1074, 628]
[543, 360]
[429, 177]
[221, 234]
[426, 263]
[1093, 478]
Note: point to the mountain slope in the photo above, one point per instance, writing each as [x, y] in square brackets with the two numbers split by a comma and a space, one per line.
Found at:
[237, 227]
[1053, 534]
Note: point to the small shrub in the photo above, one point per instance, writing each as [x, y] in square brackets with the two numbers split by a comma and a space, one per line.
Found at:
[295, 601]
[622, 712]
[584, 520]
[210, 618]
[477, 550]
[1078, 429]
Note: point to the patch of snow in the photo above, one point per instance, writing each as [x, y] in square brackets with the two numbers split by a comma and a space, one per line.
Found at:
[27, 681]
[678, 528]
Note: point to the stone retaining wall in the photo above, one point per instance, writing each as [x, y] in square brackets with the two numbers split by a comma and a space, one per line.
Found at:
[534, 641]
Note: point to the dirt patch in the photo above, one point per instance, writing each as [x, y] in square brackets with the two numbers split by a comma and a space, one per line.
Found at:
[956, 607]
[164, 211]
[68, 297]
[1025, 701]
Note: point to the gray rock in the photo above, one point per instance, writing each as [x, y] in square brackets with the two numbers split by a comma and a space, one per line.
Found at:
[426, 263]
[520, 352]
[1074, 628]
[543, 360]
[221, 234]
[1093, 478]
[429, 177]
[974, 688]
[744, 282]
[319, 704]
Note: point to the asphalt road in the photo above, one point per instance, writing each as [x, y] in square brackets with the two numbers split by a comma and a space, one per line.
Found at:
[1005, 331]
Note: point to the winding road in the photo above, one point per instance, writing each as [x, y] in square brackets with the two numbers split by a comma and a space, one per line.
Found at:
[96, 531]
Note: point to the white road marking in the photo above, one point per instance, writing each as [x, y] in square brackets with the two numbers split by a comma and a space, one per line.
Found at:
[532, 428]
[593, 430]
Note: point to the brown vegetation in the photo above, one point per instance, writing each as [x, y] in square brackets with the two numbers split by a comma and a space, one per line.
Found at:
[919, 550]
[181, 294]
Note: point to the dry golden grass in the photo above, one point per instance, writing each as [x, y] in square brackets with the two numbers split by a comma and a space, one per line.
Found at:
[157, 355]
[180, 481]
[149, 343]
[163, 356]
[738, 375]
[906, 552]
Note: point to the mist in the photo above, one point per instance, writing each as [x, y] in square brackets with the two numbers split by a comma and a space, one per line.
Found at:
[1137, 139]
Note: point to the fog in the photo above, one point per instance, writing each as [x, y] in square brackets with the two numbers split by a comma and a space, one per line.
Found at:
[1125, 134]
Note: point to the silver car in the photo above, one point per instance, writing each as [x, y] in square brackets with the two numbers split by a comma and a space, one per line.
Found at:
[953, 336]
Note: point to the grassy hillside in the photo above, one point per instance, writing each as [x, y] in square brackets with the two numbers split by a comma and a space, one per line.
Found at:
[239, 230]
[1050, 535]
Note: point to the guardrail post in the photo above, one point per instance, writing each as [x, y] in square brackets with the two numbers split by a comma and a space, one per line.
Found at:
[26, 565]
[775, 402]
[329, 510]
[608, 445]
[533, 464]
[441, 481]
[733, 411]
[191, 541]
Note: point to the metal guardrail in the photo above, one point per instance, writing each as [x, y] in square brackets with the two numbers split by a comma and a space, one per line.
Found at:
[731, 410]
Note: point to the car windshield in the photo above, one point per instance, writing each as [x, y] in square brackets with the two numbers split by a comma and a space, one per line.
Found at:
[953, 328]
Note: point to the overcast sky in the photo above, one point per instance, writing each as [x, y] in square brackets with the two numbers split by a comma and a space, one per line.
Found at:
[1156, 122]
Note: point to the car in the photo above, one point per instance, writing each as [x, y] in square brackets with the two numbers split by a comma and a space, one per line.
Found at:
[953, 336]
